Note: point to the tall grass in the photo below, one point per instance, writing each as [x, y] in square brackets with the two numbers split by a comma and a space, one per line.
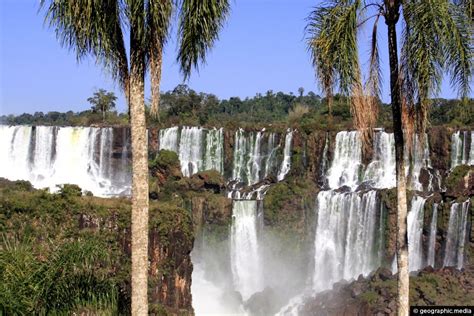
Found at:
[67, 278]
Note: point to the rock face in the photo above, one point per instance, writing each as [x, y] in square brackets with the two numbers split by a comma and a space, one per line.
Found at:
[460, 182]
[376, 295]
[439, 139]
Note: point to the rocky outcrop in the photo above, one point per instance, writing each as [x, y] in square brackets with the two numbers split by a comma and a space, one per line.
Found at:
[439, 139]
[460, 182]
[314, 154]
[376, 295]
[65, 216]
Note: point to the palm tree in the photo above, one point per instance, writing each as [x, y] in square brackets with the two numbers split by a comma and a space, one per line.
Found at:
[99, 28]
[436, 37]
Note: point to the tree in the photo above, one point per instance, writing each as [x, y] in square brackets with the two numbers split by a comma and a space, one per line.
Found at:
[300, 92]
[436, 37]
[97, 28]
[102, 101]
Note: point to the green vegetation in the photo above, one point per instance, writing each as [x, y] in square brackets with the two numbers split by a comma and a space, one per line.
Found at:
[65, 253]
[455, 180]
[72, 276]
[102, 102]
[184, 106]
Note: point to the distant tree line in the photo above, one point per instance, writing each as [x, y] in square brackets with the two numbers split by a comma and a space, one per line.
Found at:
[184, 106]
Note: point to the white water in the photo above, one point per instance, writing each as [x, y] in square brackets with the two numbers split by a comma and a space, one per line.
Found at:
[347, 163]
[420, 159]
[14, 156]
[461, 153]
[286, 164]
[381, 170]
[198, 149]
[59, 155]
[415, 232]
[345, 237]
[255, 156]
[432, 240]
[471, 152]
[168, 139]
[190, 150]
[456, 237]
[214, 153]
[245, 254]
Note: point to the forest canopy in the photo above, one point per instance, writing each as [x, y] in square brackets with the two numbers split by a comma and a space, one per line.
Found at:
[185, 106]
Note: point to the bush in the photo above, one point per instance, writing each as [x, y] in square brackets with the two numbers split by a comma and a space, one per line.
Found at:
[70, 190]
[165, 159]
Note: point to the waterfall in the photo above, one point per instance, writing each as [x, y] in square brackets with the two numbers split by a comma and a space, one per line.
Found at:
[49, 156]
[432, 240]
[415, 232]
[190, 150]
[270, 162]
[462, 151]
[420, 159]
[168, 139]
[456, 236]
[347, 162]
[255, 155]
[381, 172]
[14, 157]
[198, 149]
[471, 152]
[214, 153]
[245, 256]
[345, 242]
[43, 153]
[324, 161]
[286, 164]
[255, 158]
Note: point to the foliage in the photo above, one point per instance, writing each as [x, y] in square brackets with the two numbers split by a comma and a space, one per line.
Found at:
[165, 159]
[184, 106]
[67, 277]
[102, 101]
[437, 39]
[64, 253]
[69, 190]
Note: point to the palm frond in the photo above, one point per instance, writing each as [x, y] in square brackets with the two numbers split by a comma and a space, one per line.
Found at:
[199, 26]
[436, 37]
[332, 43]
[91, 27]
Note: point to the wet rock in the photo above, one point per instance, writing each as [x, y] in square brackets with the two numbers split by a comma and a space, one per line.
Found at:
[460, 182]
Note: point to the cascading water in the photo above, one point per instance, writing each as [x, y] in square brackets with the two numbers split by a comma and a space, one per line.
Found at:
[190, 150]
[347, 163]
[198, 149]
[415, 232]
[168, 139]
[245, 255]
[286, 164]
[380, 172]
[346, 233]
[456, 236]
[471, 152]
[432, 240]
[15, 161]
[462, 152]
[271, 157]
[214, 153]
[50, 156]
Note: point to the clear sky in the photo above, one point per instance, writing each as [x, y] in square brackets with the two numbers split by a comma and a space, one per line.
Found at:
[261, 48]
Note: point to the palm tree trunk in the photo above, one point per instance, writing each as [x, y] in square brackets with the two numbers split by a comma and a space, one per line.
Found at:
[156, 60]
[402, 244]
[139, 237]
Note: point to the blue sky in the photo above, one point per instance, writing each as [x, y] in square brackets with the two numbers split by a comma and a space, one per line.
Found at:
[262, 47]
